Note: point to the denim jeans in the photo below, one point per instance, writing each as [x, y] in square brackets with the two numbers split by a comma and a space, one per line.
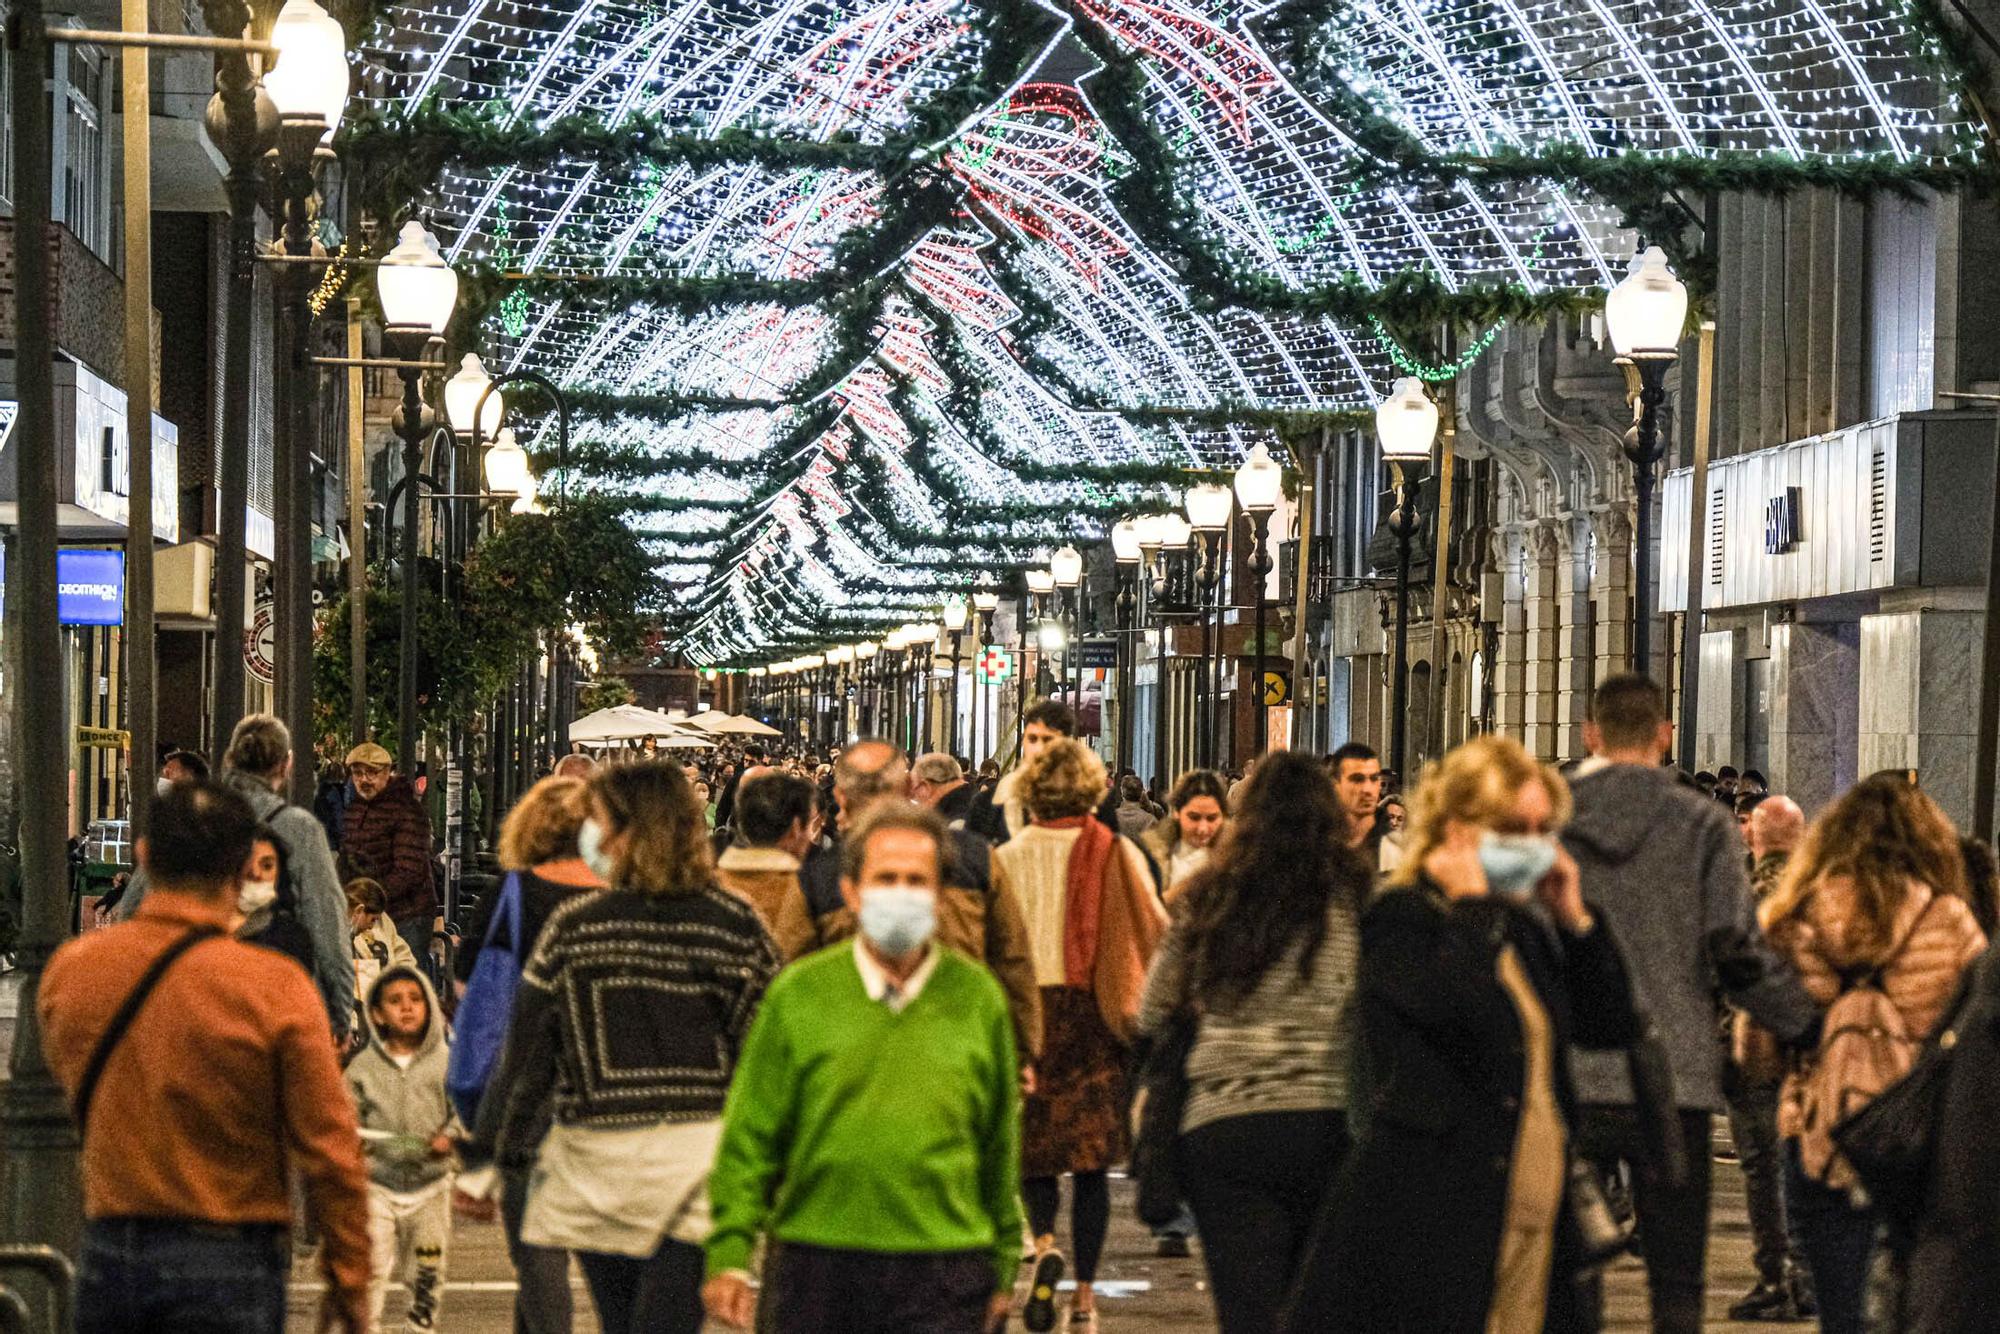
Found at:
[1839, 1243]
[1753, 1128]
[158, 1276]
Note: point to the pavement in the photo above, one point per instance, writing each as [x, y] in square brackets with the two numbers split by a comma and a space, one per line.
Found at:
[1136, 1290]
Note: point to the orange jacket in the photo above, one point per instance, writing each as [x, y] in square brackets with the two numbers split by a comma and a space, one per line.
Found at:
[225, 1083]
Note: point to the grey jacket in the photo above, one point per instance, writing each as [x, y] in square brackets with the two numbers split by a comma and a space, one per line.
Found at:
[402, 1107]
[322, 903]
[1666, 865]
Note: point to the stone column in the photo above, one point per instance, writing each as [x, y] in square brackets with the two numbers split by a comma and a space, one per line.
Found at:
[1508, 670]
[1815, 694]
[1612, 589]
[1542, 659]
[1918, 700]
[1576, 674]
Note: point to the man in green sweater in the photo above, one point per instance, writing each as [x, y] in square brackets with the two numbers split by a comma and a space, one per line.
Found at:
[873, 1129]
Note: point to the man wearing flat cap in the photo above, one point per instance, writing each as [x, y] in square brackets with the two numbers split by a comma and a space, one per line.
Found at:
[386, 836]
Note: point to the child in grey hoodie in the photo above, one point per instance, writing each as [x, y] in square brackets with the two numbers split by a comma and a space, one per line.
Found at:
[398, 1086]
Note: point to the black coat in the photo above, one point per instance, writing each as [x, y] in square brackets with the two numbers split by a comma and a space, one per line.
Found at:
[1410, 1233]
[1953, 1283]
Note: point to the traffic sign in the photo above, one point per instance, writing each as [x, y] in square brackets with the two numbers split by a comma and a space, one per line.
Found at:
[995, 665]
[1277, 688]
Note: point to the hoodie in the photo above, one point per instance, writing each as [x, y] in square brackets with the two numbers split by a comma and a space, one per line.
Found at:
[402, 1107]
[1665, 864]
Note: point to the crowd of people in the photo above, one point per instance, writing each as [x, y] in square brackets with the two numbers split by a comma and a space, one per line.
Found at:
[825, 1043]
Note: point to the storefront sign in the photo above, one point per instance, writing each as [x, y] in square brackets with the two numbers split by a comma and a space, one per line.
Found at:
[1098, 653]
[90, 587]
[1782, 522]
[995, 665]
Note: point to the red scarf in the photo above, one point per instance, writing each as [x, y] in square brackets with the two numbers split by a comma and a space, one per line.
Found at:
[1083, 903]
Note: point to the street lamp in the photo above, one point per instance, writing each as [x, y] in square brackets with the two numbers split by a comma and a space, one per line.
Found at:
[986, 602]
[1067, 567]
[308, 85]
[1407, 423]
[417, 291]
[1158, 534]
[1125, 556]
[953, 621]
[1258, 483]
[1208, 507]
[467, 402]
[1645, 315]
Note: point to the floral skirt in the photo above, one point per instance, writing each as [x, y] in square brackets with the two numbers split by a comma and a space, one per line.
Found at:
[1075, 1119]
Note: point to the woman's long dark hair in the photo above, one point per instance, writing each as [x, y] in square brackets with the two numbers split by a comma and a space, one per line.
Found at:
[1266, 887]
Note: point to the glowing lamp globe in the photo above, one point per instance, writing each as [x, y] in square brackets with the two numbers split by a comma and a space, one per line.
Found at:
[1646, 312]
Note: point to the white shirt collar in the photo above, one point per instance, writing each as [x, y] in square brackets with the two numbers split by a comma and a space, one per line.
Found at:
[875, 979]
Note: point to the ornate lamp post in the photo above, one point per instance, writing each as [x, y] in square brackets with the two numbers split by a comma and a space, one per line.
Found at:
[1158, 535]
[953, 621]
[1041, 584]
[1208, 506]
[1125, 556]
[986, 602]
[1066, 566]
[417, 291]
[1258, 482]
[1645, 315]
[1407, 423]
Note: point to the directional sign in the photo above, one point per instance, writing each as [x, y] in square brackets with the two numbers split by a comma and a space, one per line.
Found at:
[995, 665]
[1277, 688]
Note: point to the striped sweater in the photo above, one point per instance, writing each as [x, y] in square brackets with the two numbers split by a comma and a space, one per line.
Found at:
[1285, 1047]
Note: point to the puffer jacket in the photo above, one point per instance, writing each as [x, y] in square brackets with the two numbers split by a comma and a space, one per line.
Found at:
[1933, 940]
[389, 839]
[402, 1107]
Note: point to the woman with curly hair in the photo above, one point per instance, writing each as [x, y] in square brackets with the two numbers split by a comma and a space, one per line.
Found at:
[1094, 921]
[1875, 896]
[1263, 951]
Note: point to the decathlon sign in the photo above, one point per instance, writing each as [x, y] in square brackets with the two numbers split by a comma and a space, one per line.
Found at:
[90, 587]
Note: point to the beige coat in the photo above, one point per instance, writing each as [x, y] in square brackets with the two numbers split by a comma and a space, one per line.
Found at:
[768, 880]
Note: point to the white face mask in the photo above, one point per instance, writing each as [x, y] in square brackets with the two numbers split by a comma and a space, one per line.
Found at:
[590, 847]
[164, 786]
[256, 895]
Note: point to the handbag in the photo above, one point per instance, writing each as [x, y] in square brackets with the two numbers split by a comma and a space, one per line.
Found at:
[1653, 1100]
[487, 1007]
[1159, 1099]
[1602, 1236]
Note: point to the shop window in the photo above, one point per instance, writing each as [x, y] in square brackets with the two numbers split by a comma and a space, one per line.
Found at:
[1902, 296]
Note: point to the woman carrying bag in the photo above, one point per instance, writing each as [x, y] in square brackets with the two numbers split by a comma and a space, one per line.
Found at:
[1457, 1210]
[1264, 949]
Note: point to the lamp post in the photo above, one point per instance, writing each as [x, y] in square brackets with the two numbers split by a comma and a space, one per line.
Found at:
[1160, 534]
[1407, 423]
[1041, 584]
[1208, 507]
[986, 602]
[1066, 567]
[1645, 314]
[417, 291]
[1258, 482]
[1125, 558]
[953, 621]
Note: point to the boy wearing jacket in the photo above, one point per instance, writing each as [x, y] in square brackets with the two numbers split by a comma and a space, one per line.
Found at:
[399, 1090]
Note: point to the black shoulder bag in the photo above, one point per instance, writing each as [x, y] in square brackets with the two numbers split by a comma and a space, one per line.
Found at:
[114, 1033]
[1160, 1097]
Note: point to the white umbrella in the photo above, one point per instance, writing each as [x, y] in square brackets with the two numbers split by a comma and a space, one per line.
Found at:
[682, 741]
[738, 725]
[620, 722]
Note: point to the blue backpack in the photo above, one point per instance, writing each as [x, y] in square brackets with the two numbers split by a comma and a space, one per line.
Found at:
[487, 1007]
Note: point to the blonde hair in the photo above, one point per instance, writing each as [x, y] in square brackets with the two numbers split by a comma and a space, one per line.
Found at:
[1065, 780]
[1882, 834]
[543, 825]
[668, 851]
[1478, 783]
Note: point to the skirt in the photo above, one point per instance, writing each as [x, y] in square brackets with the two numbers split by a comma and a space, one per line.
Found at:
[1075, 1119]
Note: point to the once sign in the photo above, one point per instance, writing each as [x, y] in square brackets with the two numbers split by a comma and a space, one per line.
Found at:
[995, 665]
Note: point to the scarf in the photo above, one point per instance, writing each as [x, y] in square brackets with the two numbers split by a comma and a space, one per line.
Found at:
[1083, 906]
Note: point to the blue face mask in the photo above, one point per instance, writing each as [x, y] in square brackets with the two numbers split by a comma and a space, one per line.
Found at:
[1515, 863]
[590, 847]
[898, 921]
